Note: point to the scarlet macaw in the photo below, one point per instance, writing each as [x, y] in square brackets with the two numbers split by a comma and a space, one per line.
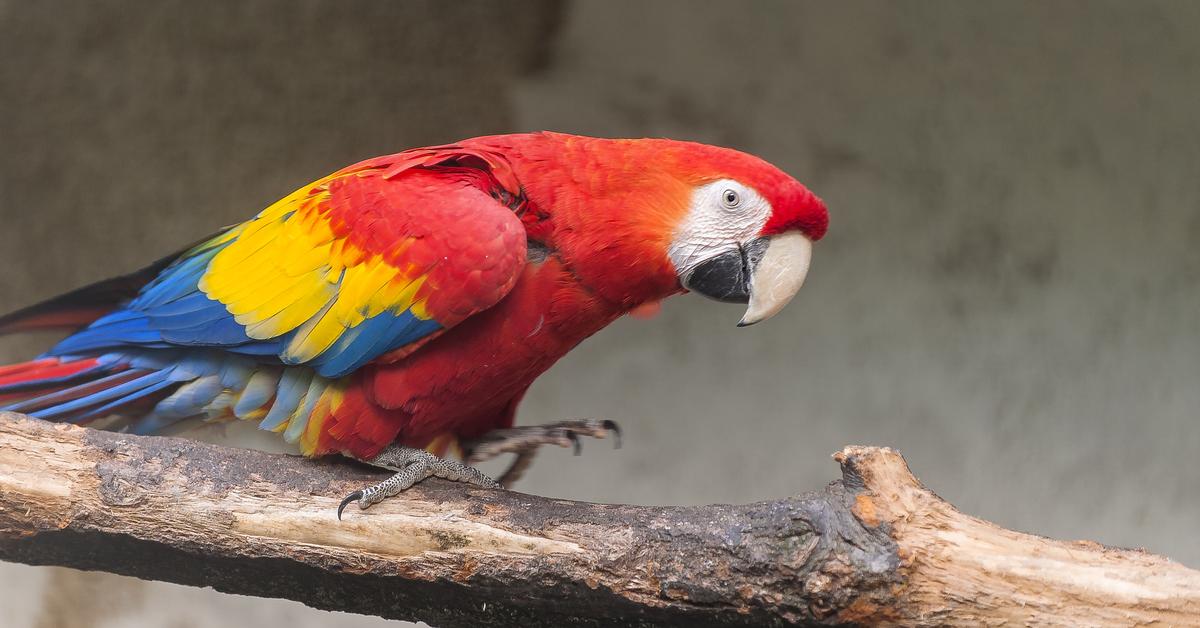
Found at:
[408, 301]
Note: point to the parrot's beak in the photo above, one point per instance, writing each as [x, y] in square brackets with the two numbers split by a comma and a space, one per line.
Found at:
[777, 277]
[766, 273]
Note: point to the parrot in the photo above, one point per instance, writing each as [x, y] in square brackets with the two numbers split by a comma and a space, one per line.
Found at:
[403, 305]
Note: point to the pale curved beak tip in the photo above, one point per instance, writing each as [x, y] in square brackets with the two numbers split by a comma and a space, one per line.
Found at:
[778, 276]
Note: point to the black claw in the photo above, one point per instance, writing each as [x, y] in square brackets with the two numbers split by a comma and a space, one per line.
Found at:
[616, 432]
[575, 444]
[346, 502]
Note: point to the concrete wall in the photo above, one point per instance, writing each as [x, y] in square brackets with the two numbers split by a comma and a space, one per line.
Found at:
[1008, 294]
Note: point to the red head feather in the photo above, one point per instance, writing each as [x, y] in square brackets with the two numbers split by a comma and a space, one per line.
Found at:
[612, 206]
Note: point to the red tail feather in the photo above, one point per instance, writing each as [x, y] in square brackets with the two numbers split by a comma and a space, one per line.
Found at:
[26, 375]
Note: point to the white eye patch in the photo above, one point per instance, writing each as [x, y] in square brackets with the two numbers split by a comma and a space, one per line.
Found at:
[723, 214]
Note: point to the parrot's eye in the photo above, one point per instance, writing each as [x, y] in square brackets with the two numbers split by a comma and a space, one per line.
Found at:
[731, 199]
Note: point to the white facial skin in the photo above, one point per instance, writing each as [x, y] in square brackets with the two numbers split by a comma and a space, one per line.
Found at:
[726, 215]
[723, 214]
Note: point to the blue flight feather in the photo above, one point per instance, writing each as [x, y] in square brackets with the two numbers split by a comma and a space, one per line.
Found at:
[107, 394]
[235, 372]
[372, 338]
[300, 419]
[109, 407]
[292, 386]
[214, 332]
[192, 304]
[177, 280]
[62, 395]
[269, 347]
[258, 392]
[189, 401]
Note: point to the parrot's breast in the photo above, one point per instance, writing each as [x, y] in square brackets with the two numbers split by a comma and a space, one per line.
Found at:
[466, 381]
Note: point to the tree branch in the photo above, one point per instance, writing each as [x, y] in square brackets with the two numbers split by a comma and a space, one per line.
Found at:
[874, 547]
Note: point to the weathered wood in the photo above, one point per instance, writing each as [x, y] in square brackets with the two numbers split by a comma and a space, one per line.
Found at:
[873, 547]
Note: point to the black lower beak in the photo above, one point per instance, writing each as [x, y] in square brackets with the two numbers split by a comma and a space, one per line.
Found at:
[726, 277]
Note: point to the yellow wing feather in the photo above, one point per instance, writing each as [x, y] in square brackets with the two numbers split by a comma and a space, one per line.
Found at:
[286, 270]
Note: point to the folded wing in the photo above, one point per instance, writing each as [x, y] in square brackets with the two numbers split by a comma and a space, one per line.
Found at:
[370, 262]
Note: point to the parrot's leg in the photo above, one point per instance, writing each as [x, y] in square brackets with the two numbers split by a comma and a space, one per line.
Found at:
[411, 466]
[524, 441]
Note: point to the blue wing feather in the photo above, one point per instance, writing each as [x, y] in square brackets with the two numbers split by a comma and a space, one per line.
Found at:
[116, 404]
[259, 390]
[374, 337]
[292, 386]
[118, 392]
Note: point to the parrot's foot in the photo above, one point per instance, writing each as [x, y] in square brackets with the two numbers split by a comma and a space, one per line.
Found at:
[525, 440]
[412, 466]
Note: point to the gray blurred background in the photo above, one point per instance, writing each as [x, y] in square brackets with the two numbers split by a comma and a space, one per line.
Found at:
[1009, 292]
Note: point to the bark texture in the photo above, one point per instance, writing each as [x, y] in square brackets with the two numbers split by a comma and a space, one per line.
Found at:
[873, 547]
